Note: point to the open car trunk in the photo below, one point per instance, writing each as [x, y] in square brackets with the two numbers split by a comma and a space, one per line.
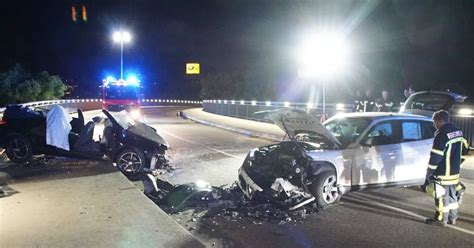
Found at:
[427, 102]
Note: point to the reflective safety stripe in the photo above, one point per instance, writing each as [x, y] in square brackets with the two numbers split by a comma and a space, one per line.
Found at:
[439, 152]
[452, 182]
[448, 180]
[452, 177]
[448, 160]
[453, 206]
[455, 140]
[432, 167]
[440, 209]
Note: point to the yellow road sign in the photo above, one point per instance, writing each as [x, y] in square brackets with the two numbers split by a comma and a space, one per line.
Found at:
[192, 68]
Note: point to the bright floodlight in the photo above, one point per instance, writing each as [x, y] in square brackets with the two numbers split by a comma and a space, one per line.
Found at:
[321, 55]
[122, 36]
[110, 79]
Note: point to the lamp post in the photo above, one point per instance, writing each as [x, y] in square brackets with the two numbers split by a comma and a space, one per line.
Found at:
[122, 37]
[321, 55]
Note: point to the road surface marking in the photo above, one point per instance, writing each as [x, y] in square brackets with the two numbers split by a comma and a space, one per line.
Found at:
[203, 146]
[409, 213]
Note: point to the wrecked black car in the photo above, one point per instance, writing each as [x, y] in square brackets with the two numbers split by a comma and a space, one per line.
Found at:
[132, 145]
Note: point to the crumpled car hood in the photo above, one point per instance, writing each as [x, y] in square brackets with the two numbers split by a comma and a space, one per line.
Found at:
[148, 133]
[296, 121]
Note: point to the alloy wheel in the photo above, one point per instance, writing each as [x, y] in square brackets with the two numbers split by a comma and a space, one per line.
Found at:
[130, 162]
[330, 192]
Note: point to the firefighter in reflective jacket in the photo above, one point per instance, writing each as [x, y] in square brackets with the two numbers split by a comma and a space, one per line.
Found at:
[442, 179]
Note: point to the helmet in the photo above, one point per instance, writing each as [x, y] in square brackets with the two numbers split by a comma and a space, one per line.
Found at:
[435, 190]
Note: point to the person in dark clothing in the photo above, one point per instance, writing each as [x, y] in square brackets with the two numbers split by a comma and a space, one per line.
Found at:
[359, 102]
[442, 177]
[409, 91]
[385, 103]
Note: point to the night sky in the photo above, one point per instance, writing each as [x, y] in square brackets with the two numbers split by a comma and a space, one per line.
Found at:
[395, 43]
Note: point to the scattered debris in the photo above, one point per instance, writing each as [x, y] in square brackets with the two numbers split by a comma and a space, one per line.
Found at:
[201, 201]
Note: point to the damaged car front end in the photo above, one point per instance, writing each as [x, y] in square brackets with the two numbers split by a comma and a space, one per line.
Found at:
[287, 173]
[276, 173]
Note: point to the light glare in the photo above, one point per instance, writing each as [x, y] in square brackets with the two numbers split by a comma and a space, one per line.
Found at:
[465, 111]
[321, 55]
[122, 36]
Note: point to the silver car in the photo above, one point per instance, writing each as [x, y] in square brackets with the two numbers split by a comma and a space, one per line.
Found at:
[320, 162]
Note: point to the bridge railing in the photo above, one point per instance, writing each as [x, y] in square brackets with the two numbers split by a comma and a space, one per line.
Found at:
[246, 109]
[92, 104]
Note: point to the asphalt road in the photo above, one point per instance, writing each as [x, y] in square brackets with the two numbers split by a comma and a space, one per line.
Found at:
[391, 217]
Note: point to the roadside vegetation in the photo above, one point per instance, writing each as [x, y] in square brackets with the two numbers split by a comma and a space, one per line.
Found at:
[18, 86]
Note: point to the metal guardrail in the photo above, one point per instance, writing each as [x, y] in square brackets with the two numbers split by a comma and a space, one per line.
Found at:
[466, 124]
[70, 104]
[91, 104]
[246, 109]
[152, 101]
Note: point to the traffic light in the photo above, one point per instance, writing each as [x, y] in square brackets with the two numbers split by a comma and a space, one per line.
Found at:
[84, 13]
[73, 14]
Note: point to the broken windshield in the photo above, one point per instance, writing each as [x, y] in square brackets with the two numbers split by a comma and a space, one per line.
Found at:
[123, 118]
[348, 129]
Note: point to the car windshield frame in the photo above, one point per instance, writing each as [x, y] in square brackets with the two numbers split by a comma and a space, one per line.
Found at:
[345, 138]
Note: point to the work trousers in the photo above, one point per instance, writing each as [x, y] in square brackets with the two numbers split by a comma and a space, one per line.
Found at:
[447, 205]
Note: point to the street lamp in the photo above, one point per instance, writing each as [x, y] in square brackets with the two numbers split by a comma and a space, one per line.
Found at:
[322, 55]
[121, 36]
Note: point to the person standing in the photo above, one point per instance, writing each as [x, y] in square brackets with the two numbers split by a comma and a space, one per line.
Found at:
[409, 91]
[368, 101]
[442, 176]
[359, 100]
[385, 103]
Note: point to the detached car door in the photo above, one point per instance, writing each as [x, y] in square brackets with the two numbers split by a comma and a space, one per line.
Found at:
[417, 138]
[377, 156]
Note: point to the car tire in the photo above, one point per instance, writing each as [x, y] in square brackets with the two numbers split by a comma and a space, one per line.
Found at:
[324, 189]
[19, 149]
[131, 162]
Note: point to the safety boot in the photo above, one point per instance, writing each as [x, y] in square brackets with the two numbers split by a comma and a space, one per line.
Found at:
[435, 222]
[452, 222]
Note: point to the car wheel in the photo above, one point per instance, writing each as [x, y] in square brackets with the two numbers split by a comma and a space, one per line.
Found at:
[19, 149]
[324, 189]
[130, 161]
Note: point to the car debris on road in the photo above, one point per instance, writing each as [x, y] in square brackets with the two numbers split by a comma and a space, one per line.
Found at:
[210, 202]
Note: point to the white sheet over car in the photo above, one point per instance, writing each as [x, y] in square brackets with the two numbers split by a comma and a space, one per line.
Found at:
[58, 127]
